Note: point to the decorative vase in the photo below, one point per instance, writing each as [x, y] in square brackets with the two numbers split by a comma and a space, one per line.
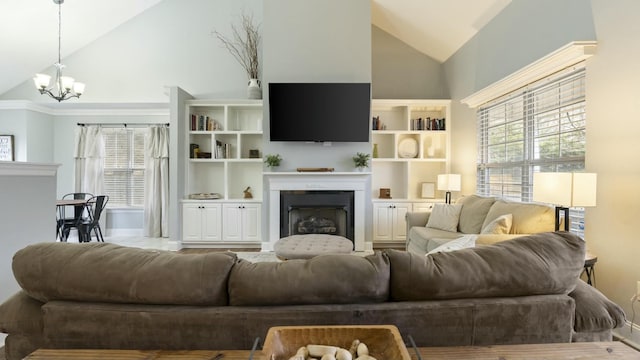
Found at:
[375, 150]
[253, 90]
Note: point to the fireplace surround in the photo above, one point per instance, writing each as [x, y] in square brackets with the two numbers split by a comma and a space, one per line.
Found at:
[324, 189]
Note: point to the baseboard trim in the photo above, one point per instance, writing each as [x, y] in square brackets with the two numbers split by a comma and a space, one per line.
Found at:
[629, 334]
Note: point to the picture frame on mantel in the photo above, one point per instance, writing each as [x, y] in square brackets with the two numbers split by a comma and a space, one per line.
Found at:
[6, 148]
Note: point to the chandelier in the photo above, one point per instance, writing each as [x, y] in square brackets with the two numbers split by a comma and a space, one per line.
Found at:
[64, 87]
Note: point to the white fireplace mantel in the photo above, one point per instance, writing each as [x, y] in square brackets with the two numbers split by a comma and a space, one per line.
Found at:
[346, 181]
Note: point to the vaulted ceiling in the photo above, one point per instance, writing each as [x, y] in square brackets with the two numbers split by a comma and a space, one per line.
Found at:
[28, 28]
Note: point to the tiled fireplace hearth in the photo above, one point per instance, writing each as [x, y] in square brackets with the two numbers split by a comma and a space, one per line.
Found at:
[334, 199]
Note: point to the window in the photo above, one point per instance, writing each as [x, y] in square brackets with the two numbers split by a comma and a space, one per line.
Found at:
[540, 128]
[124, 166]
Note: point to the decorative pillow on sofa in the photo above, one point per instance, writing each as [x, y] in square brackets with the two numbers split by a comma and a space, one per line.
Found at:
[500, 225]
[445, 217]
[464, 242]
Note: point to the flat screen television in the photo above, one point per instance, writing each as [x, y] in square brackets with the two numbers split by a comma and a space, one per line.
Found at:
[319, 112]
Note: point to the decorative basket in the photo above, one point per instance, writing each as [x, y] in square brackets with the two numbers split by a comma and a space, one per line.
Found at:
[384, 341]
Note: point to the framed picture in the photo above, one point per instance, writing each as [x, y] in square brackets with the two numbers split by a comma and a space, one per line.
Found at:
[6, 148]
[428, 190]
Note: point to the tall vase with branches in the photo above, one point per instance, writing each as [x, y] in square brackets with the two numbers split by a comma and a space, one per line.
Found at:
[243, 46]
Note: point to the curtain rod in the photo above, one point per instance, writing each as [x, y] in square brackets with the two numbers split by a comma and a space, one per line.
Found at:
[124, 124]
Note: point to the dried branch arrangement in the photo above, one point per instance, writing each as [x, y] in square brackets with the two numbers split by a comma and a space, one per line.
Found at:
[244, 44]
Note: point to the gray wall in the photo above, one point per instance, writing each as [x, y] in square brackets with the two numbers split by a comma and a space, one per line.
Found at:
[402, 72]
[315, 41]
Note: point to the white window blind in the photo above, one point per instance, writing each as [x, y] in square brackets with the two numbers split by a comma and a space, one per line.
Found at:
[124, 166]
[540, 128]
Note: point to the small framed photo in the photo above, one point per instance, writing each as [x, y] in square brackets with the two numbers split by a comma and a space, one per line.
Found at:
[6, 148]
[428, 190]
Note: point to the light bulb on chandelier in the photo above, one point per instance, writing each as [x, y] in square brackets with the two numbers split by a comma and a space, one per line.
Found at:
[64, 87]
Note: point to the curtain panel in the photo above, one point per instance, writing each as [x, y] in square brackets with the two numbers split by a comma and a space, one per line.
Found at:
[156, 184]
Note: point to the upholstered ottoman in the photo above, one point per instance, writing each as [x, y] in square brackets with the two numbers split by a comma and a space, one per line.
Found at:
[310, 245]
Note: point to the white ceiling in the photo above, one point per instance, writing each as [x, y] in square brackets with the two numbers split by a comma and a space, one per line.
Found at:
[29, 28]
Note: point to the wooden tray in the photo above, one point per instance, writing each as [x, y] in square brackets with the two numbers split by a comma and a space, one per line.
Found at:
[384, 341]
[315, 169]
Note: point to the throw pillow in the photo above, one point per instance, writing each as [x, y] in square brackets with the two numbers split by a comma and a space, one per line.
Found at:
[445, 217]
[501, 225]
[467, 241]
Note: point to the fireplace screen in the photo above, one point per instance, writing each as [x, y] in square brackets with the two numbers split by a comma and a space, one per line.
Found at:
[316, 212]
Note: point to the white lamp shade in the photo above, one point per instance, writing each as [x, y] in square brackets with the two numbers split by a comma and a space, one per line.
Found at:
[449, 182]
[565, 189]
[78, 88]
[67, 82]
[41, 80]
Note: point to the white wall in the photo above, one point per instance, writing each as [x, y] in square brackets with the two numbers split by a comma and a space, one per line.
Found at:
[170, 44]
[14, 122]
[27, 216]
[526, 31]
[613, 145]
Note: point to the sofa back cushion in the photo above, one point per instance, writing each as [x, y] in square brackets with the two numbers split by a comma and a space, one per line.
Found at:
[104, 272]
[528, 218]
[324, 279]
[474, 211]
[547, 263]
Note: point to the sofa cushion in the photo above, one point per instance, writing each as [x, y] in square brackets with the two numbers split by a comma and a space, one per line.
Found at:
[547, 263]
[324, 279]
[474, 211]
[426, 239]
[500, 225]
[21, 314]
[104, 272]
[528, 218]
[594, 312]
[445, 217]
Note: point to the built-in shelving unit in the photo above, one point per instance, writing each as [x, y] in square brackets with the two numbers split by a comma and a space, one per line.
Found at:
[411, 146]
[227, 163]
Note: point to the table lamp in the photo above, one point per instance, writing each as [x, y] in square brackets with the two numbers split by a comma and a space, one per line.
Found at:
[449, 183]
[565, 190]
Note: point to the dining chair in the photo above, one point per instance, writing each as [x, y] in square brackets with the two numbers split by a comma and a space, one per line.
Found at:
[96, 206]
[66, 223]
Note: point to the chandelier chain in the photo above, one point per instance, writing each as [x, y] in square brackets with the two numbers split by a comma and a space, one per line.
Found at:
[59, 31]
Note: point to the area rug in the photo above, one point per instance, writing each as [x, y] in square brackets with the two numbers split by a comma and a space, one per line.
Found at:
[270, 256]
[258, 256]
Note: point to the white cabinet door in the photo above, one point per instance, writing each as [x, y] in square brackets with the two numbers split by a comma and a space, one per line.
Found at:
[388, 221]
[201, 222]
[211, 222]
[422, 207]
[382, 222]
[191, 222]
[399, 222]
[241, 222]
[251, 218]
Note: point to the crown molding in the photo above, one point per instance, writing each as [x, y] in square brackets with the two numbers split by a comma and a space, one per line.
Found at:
[89, 109]
[560, 59]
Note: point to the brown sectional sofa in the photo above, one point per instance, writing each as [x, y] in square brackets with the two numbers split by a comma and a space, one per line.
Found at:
[99, 295]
